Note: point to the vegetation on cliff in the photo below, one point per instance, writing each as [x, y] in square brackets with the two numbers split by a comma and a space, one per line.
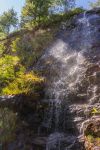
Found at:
[20, 49]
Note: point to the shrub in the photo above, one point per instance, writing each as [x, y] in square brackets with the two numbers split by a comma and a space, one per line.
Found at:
[30, 47]
[7, 72]
[2, 35]
[24, 83]
[13, 76]
[2, 48]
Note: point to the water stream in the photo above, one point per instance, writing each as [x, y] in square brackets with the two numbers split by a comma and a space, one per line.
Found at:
[68, 66]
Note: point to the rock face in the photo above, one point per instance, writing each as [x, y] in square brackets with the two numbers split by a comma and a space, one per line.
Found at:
[72, 70]
[71, 66]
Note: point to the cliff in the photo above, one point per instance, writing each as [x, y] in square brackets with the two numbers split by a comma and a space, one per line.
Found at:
[61, 107]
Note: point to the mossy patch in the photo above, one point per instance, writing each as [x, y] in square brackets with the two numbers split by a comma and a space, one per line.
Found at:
[92, 135]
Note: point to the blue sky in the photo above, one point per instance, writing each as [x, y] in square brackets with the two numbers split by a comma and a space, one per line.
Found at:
[17, 4]
[7, 4]
[84, 3]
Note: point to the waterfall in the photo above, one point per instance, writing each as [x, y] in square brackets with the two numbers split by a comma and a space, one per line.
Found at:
[66, 65]
[71, 72]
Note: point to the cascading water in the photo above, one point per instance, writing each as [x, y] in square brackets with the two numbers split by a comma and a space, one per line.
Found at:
[65, 63]
[71, 70]
[70, 73]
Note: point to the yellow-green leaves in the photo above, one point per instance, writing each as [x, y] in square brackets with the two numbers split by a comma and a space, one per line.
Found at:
[13, 79]
[24, 83]
[7, 64]
[95, 111]
[2, 48]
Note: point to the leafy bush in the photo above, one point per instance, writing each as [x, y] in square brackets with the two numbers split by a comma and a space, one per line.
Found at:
[23, 53]
[7, 69]
[2, 35]
[2, 48]
[30, 47]
[24, 83]
[13, 79]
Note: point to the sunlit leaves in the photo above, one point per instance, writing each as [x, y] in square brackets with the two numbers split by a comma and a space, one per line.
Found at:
[7, 64]
[24, 83]
[36, 10]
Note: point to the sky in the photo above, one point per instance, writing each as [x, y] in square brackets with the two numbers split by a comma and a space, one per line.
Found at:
[7, 4]
[84, 3]
[18, 4]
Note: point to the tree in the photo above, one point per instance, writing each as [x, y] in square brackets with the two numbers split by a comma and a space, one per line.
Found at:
[95, 4]
[8, 20]
[35, 9]
[39, 9]
[67, 4]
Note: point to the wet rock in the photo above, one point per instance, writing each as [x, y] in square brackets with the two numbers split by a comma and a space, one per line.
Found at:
[92, 68]
[94, 11]
[40, 141]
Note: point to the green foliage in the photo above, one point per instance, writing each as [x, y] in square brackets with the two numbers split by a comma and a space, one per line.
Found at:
[90, 138]
[38, 12]
[2, 48]
[2, 35]
[24, 49]
[95, 4]
[13, 76]
[35, 10]
[7, 20]
[24, 52]
[8, 121]
[30, 47]
[56, 19]
[68, 4]
[23, 84]
[7, 66]
[13, 79]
